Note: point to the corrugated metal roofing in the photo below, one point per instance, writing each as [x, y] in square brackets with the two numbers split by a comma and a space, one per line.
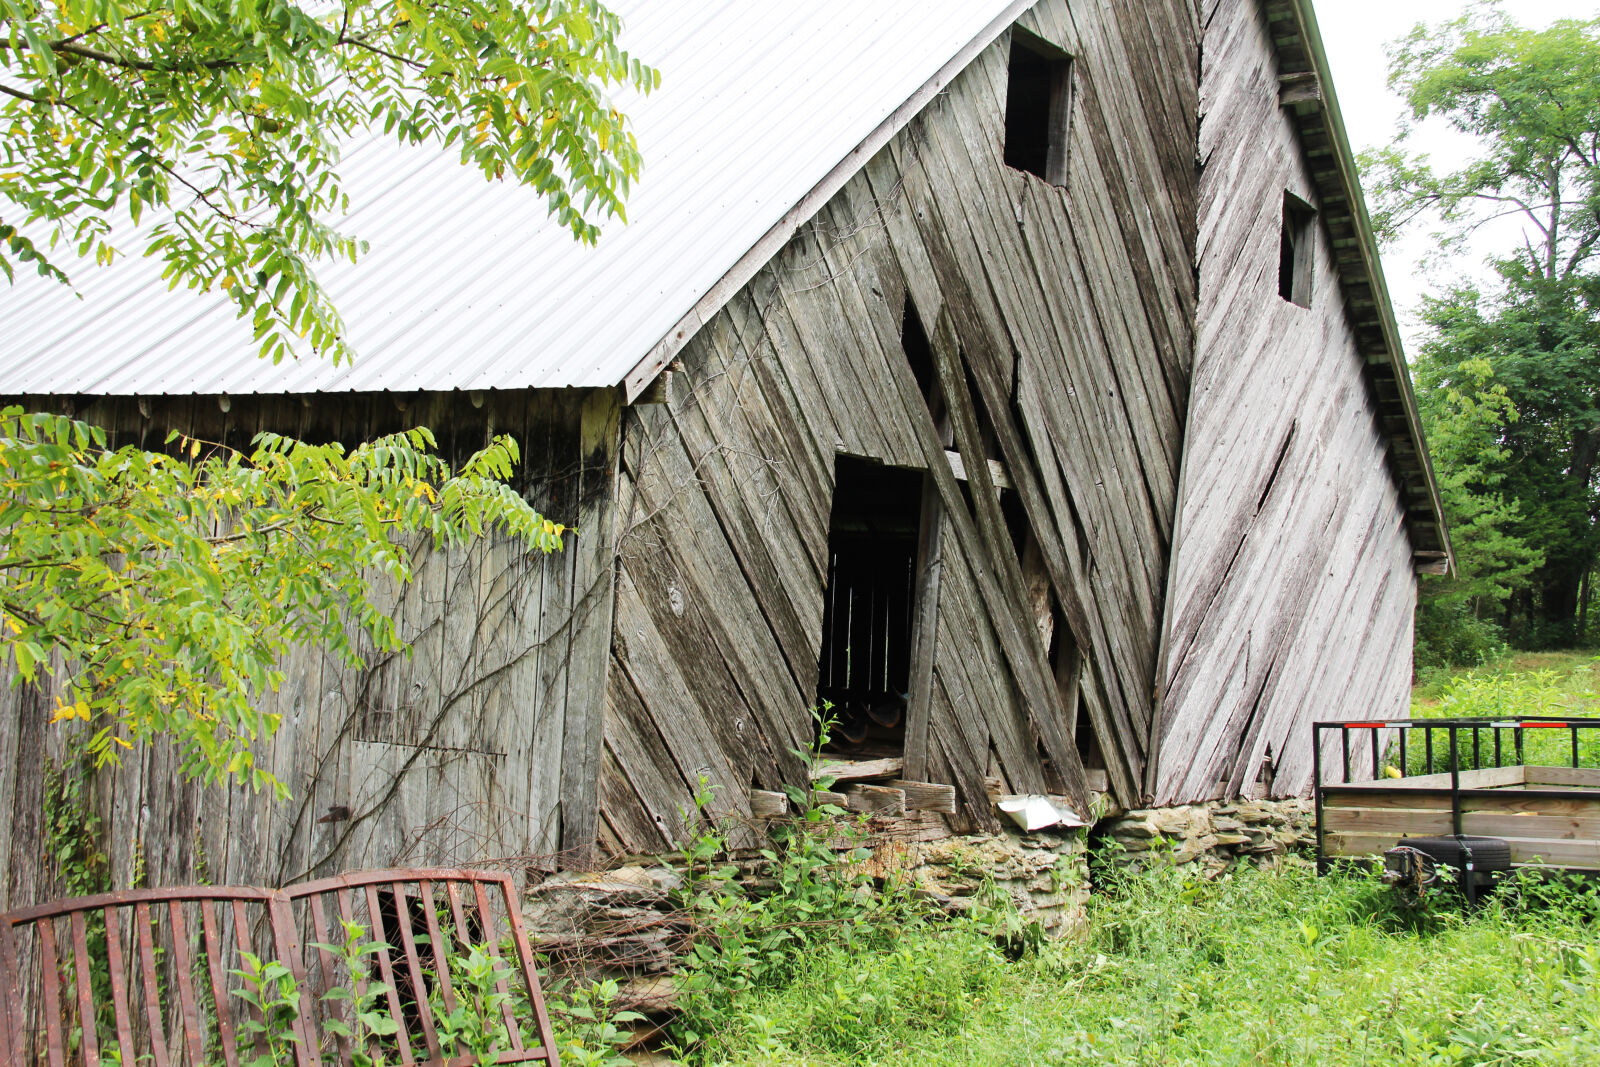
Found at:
[468, 285]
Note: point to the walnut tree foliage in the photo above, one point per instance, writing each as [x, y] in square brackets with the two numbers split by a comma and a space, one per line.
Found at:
[1509, 372]
[221, 122]
[162, 588]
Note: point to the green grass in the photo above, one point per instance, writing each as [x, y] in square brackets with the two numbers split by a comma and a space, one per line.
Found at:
[1254, 968]
[1538, 683]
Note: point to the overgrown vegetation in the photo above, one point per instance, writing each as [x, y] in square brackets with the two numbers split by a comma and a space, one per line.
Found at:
[1257, 967]
[473, 1030]
[162, 589]
[1253, 967]
[813, 898]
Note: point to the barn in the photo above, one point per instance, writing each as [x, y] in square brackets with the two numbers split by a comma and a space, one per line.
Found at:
[1018, 378]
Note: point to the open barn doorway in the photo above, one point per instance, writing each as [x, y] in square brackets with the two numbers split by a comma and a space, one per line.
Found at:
[864, 665]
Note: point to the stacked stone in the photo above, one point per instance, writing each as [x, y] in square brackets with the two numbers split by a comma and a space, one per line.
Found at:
[1264, 832]
[1044, 874]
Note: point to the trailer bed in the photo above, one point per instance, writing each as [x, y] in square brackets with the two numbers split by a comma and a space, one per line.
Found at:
[1548, 815]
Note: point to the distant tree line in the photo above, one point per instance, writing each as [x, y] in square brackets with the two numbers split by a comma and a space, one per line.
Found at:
[1508, 375]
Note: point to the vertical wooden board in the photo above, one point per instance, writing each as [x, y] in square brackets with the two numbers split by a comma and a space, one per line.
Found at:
[535, 728]
[25, 734]
[562, 500]
[13, 776]
[591, 615]
[503, 828]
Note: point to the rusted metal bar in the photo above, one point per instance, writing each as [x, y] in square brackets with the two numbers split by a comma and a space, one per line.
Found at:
[50, 968]
[188, 1007]
[119, 987]
[88, 1033]
[386, 969]
[319, 930]
[286, 946]
[530, 976]
[136, 896]
[441, 950]
[211, 931]
[513, 1031]
[463, 931]
[144, 928]
[136, 941]
[408, 942]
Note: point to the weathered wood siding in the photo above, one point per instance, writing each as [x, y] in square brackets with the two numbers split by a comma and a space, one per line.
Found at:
[1061, 322]
[1292, 588]
[483, 743]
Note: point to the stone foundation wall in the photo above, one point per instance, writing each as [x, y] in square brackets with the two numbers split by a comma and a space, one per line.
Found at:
[1044, 874]
[626, 923]
[1216, 835]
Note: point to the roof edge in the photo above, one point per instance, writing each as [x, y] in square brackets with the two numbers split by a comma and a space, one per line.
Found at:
[749, 264]
[1320, 124]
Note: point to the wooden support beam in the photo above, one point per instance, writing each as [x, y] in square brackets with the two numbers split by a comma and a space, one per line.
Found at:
[997, 470]
[660, 390]
[926, 796]
[1300, 88]
[765, 804]
[858, 770]
[876, 800]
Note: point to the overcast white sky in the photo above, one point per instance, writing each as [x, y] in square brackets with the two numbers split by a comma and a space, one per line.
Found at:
[1355, 33]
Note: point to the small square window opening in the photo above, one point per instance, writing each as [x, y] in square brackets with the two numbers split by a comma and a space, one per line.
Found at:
[1038, 108]
[1296, 250]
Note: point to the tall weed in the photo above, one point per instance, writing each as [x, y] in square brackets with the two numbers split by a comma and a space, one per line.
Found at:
[1255, 967]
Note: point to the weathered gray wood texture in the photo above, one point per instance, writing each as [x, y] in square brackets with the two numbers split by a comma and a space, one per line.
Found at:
[1292, 587]
[1132, 406]
[1061, 322]
[484, 743]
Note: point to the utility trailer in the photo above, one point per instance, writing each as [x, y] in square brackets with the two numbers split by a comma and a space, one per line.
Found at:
[1480, 796]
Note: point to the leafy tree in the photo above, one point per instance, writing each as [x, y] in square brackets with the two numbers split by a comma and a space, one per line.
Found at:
[163, 588]
[1531, 101]
[1465, 413]
[225, 118]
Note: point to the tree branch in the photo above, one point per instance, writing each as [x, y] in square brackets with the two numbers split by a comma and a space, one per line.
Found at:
[20, 95]
[70, 46]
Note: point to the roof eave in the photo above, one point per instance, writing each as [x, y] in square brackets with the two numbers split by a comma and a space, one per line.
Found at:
[1308, 94]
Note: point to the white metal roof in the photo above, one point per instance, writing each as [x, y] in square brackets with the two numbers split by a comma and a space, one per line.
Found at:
[468, 285]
